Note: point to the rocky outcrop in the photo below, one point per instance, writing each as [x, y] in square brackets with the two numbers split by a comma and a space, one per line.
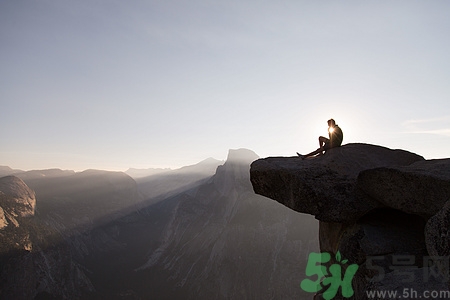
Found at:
[22, 200]
[372, 202]
[325, 186]
[17, 201]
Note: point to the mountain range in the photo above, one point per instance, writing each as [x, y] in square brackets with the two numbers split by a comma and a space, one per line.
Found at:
[199, 232]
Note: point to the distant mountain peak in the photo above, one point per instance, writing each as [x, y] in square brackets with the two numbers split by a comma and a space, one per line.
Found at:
[236, 168]
[241, 155]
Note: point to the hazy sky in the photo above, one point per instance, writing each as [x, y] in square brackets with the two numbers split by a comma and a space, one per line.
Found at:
[118, 84]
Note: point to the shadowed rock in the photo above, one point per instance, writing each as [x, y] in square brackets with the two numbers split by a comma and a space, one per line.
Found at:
[437, 237]
[421, 188]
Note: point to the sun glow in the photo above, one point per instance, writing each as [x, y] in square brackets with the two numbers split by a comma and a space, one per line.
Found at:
[330, 130]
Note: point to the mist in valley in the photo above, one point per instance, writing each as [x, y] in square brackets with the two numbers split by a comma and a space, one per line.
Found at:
[198, 232]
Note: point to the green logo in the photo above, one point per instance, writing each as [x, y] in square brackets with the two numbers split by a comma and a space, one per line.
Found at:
[332, 278]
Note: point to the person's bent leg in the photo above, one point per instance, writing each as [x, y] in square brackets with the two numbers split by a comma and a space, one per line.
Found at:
[322, 141]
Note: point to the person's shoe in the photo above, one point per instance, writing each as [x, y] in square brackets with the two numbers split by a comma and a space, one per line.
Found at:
[301, 156]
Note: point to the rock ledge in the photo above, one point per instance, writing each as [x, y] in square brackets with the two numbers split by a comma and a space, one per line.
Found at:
[325, 186]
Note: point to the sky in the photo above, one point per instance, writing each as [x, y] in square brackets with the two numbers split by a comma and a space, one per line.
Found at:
[117, 84]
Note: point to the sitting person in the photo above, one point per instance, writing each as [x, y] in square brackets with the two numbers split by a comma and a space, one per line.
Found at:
[335, 140]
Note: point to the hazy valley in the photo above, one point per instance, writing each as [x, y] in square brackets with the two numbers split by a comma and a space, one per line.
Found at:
[199, 232]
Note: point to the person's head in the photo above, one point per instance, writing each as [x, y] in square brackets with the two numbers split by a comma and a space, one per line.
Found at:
[331, 123]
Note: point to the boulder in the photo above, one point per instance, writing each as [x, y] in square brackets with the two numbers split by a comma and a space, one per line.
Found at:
[325, 186]
[421, 188]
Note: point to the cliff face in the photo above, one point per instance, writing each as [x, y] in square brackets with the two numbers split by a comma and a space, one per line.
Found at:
[371, 202]
[224, 242]
[17, 201]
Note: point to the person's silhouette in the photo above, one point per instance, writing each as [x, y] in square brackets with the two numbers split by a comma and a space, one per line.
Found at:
[335, 140]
